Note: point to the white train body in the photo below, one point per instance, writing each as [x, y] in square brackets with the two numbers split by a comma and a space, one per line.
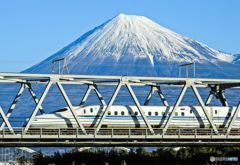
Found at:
[130, 117]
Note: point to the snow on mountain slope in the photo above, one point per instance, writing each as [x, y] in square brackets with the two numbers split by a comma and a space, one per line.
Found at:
[134, 45]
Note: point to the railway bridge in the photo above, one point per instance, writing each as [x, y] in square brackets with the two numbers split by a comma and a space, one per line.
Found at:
[100, 136]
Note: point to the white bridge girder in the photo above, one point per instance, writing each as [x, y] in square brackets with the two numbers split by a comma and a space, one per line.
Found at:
[23, 85]
[94, 80]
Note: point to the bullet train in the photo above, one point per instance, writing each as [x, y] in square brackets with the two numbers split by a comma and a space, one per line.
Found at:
[120, 116]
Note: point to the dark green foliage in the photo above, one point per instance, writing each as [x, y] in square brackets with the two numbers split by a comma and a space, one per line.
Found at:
[23, 160]
[185, 155]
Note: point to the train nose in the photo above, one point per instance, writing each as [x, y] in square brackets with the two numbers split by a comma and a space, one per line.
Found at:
[26, 121]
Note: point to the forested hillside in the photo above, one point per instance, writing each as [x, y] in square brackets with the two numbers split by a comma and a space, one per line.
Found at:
[185, 155]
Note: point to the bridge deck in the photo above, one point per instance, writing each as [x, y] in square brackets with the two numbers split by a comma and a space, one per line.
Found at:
[119, 137]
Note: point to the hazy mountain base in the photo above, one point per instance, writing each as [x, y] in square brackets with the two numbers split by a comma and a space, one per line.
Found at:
[142, 67]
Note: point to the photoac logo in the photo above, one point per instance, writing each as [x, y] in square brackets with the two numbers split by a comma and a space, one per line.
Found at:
[212, 158]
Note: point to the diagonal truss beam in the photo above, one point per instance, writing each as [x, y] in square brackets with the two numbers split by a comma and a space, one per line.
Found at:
[219, 93]
[6, 121]
[159, 91]
[153, 89]
[90, 87]
[23, 85]
[85, 96]
[175, 107]
[149, 96]
[99, 95]
[13, 105]
[38, 106]
[139, 108]
[204, 108]
[108, 107]
[34, 97]
[70, 107]
[211, 93]
[233, 118]
[222, 98]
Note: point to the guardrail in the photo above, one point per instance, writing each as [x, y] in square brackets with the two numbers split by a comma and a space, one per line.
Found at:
[117, 132]
[41, 137]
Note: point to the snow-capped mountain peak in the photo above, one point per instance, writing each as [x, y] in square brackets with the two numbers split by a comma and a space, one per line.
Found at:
[128, 44]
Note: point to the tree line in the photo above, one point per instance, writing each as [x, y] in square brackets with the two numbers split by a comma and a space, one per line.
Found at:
[185, 155]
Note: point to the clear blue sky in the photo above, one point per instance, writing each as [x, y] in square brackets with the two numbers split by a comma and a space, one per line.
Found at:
[31, 31]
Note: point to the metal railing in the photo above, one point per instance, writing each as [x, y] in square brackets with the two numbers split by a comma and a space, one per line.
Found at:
[19, 131]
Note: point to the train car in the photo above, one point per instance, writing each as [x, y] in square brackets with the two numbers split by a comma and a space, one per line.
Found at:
[120, 116]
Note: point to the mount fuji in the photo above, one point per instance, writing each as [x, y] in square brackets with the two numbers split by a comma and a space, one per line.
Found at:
[135, 45]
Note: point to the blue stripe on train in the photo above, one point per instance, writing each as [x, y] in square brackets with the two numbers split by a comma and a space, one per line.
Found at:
[155, 117]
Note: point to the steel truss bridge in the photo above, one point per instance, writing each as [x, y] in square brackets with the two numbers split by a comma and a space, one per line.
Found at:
[100, 136]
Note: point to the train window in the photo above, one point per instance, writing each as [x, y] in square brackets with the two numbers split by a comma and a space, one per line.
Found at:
[115, 113]
[190, 111]
[149, 113]
[182, 113]
[91, 110]
[182, 108]
[156, 113]
[102, 113]
[136, 113]
[122, 113]
[215, 111]
[109, 112]
[229, 114]
[84, 111]
[169, 113]
[129, 113]
[176, 113]
[163, 114]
